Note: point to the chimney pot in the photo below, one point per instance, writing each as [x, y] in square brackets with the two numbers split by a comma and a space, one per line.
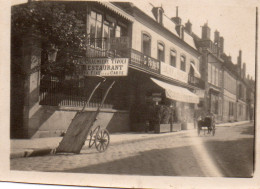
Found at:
[205, 32]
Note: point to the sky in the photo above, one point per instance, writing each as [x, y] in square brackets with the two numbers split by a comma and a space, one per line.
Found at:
[234, 19]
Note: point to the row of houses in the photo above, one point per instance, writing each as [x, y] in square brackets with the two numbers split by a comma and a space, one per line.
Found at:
[155, 60]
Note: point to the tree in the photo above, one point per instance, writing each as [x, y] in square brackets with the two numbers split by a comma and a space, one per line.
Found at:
[61, 25]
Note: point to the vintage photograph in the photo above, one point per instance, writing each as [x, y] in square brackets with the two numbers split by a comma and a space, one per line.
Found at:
[133, 88]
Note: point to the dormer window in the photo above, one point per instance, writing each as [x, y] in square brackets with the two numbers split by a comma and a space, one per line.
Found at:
[160, 16]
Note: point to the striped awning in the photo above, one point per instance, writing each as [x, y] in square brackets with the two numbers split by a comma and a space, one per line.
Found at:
[177, 93]
[117, 10]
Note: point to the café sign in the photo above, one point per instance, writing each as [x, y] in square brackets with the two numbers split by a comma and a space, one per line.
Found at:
[105, 67]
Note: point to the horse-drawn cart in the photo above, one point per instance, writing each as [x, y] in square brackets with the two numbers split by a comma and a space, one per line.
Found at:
[207, 126]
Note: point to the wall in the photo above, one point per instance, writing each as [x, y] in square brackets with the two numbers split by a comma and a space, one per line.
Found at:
[54, 121]
[141, 25]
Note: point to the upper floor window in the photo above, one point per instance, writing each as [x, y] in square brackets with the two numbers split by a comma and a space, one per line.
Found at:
[161, 52]
[173, 58]
[96, 20]
[118, 31]
[146, 49]
[160, 16]
[183, 63]
[192, 71]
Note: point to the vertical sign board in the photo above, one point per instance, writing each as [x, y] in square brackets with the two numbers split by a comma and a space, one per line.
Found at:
[105, 67]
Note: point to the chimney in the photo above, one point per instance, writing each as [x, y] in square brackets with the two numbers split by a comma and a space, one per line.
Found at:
[205, 32]
[176, 19]
[216, 37]
[239, 63]
[244, 71]
[221, 45]
[188, 27]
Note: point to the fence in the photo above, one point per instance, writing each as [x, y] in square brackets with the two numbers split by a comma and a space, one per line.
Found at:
[71, 92]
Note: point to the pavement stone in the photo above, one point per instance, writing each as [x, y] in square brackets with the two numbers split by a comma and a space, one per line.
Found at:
[43, 146]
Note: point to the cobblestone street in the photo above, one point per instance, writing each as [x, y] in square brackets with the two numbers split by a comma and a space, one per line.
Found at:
[229, 153]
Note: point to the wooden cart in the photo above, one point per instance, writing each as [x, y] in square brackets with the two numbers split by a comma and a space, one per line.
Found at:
[81, 129]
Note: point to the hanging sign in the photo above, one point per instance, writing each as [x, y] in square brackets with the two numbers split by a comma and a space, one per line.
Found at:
[105, 67]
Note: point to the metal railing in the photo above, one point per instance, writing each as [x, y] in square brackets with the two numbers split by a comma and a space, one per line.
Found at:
[143, 61]
[197, 82]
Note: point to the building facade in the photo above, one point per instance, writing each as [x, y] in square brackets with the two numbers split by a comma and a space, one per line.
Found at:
[153, 60]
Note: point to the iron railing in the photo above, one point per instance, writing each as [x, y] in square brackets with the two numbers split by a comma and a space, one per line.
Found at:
[197, 82]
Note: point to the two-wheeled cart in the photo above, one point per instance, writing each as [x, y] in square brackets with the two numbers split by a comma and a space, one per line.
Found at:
[81, 129]
[206, 126]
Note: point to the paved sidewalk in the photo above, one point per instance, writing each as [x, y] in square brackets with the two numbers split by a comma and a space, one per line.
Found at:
[44, 146]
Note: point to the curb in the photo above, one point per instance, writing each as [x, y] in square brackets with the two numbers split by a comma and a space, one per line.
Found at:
[51, 151]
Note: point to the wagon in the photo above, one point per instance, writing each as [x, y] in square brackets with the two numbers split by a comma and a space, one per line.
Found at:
[206, 126]
[81, 129]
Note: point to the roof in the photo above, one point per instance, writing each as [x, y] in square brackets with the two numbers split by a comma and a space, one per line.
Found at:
[146, 7]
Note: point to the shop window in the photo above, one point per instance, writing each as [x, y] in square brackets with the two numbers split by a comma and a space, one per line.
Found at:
[231, 108]
[183, 63]
[161, 52]
[146, 45]
[173, 58]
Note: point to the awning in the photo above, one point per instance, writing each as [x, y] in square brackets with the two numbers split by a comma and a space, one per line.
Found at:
[177, 93]
[117, 10]
[195, 69]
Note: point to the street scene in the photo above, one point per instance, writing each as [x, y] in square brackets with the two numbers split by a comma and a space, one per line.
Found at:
[228, 154]
[145, 88]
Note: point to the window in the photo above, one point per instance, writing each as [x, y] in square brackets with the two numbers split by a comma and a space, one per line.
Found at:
[146, 45]
[191, 68]
[183, 63]
[161, 52]
[96, 20]
[160, 16]
[231, 108]
[173, 58]
[118, 31]
[209, 73]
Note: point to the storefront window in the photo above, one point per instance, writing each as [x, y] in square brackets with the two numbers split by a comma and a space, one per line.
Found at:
[146, 45]
[161, 52]
[173, 58]
[183, 63]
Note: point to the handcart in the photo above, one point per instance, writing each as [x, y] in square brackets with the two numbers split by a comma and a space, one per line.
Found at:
[207, 126]
[81, 129]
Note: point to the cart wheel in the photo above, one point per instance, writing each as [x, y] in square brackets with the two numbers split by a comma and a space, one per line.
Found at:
[92, 135]
[102, 140]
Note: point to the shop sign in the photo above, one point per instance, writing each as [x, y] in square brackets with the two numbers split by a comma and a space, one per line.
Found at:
[105, 67]
[119, 43]
[157, 99]
[174, 73]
